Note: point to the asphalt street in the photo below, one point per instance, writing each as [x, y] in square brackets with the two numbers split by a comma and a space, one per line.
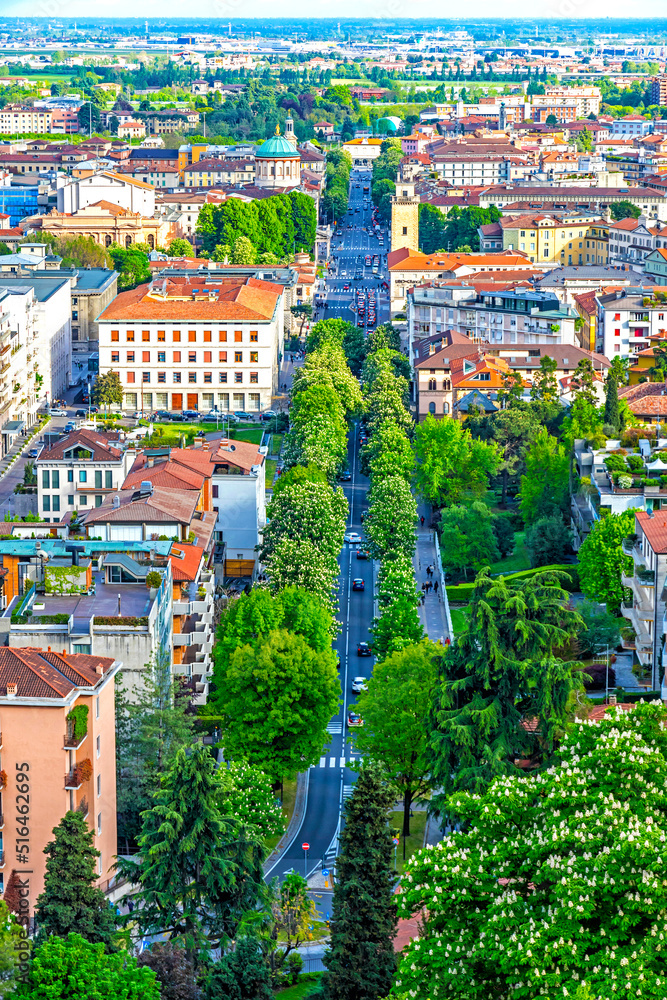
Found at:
[332, 779]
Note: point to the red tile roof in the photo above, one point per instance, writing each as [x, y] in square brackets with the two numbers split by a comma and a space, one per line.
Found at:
[185, 566]
[39, 673]
[196, 297]
[104, 446]
[173, 475]
[654, 527]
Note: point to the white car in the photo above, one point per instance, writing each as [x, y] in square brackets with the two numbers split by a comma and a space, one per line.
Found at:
[57, 411]
[358, 685]
[352, 536]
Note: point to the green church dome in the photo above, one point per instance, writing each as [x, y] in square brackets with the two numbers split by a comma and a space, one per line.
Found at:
[276, 147]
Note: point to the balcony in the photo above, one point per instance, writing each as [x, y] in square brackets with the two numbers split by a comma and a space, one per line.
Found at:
[70, 742]
[2, 859]
[83, 808]
[183, 638]
[73, 779]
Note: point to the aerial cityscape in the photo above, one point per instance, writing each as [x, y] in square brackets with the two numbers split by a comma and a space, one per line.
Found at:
[333, 471]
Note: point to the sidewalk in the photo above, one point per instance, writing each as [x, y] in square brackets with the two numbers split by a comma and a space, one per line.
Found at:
[432, 613]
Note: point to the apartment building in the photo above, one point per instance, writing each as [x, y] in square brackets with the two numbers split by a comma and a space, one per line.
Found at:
[15, 118]
[195, 342]
[550, 239]
[57, 717]
[513, 197]
[586, 99]
[193, 608]
[658, 91]
[646, 613]
[79, 471]
[563, 111]
[93, 289]
[628, 320]
[487, 316]
[210, 173]
[630, 126]
[632, 240]
[19, 364]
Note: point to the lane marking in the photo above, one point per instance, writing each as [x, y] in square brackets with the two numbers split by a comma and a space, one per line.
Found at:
[323, 762]
[332, 761]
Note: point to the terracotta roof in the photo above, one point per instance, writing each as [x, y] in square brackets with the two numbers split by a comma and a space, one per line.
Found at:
[446, 357]
[598, 712]
[40, 673]
[185, 561]
[172, 505]
[104, 447]
[172, 475]
[654, 527]
[405, 259]
[110, 206]
[196, 297]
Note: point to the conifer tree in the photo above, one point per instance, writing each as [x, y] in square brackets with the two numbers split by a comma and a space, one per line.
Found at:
[199, 870]
[611, 412]
[360, 960]
[70, 900]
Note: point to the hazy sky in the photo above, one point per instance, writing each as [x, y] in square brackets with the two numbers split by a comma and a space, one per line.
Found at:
[332, 8]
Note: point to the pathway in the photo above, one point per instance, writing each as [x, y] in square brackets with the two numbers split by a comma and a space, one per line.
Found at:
[433, 613]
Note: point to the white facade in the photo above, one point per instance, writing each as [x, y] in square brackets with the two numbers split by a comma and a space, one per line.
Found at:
[630, 126]
[240, 503]
[77, 481]
[626, 325]
[74, 193]
[19, 391]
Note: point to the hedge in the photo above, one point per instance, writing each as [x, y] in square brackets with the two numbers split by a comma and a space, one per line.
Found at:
[109, 620]
[462, 593]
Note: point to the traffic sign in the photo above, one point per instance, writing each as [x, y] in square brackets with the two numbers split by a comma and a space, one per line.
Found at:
[325, 872]
[305, 847]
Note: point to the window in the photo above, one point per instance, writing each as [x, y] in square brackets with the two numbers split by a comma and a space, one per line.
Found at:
[222, 376]
[115, 336]
[145, 376]
[238, 336]
[46, 502]
[177, 376]
[222, 355]
[99, 825]
[70, 475]
[115, 357]
[617, 333]
[192, 376]
[192, 357]
[207, 336]
[98, 744]
[238, 357]
[83, 500]
[254, 378]
[238, 376]
[98, 499]
[405, 230]
[97, 707]
[176, 337]
[83, 476]
[254, 357]
[177, 357]
[108, 479]
[162, 377]
[146, 357]
[129, 336]
[99, 780]
[254, 401]
[254, 336]
[222, 337]
[98, 479]
[192, 336]
[161, 357]
[431, 407]
[70, 500]
[208, 377]
[161, 336]
[145, 336]
[45, 479]
[208, 357]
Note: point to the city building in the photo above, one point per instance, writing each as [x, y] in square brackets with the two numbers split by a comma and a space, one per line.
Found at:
[658, 91]
[57, 713]
[75, 193]
[132, 130]
[630, 126]
[550, 239]
[521, 200]
[105, 222]
[79, 470]
[628, 321]
[195, 342]
[632, 240]
[210, 173]
[655, 265]
[647, 612]
[278, 163]
[405, 217]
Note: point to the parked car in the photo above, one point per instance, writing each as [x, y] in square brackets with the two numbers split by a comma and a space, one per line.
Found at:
[269, 415]
[353, 719]
[34, 452]
[352, 536]
[163, 415]
[69, 427]
[358, 685]
[81, 413]
[190, 415]
[211, 418]
[242, 415]
[358, 584]
[363, 649]
[57, 411]
[94, 409]
[73, 383]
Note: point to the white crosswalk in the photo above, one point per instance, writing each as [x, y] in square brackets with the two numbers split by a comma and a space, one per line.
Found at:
[337, 762]
[335, 728]
[347, 791]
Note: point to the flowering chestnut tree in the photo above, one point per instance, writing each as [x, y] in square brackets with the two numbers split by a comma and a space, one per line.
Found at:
[555, 886]
[392, 517]
[247, 796]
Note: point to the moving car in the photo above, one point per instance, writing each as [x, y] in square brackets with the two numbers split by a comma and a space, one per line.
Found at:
[354, 720]
[358, 685]
[57, 411]
[69, 427]
[81, 413]
[345, 477]
[363, 649]
[34, 452]
[362, 554]
[352, 536]
[358, 584]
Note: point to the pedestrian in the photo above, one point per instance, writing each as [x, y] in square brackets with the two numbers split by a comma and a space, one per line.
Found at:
[130, 906]
[423, 587]
[435, 587]
[422, 520]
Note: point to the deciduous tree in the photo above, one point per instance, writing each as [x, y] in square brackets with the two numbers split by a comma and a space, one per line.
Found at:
[108, 389]
[602, 560]
[554, 879]
[545, 485]
[467, 537]
[451, 465]
[392, 517]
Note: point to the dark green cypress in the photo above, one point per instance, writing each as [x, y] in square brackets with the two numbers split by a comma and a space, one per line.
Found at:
[361, 961]
[611, 411]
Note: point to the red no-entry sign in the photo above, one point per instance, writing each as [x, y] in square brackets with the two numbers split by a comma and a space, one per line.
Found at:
[305, 847]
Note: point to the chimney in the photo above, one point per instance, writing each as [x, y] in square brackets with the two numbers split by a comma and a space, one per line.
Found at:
[12, 689]
[99, 669]
[612, 699]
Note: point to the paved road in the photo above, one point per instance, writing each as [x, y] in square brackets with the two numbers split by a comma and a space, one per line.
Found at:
[350, 250]
[331, 780]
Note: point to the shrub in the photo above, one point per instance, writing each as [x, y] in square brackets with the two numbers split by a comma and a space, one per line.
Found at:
[595, 676]
[548, 541]
[635, 463]
[153, 579]
[113, 620]
[615, 463]
[625, 482]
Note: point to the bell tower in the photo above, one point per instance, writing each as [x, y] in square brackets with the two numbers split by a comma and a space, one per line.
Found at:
[289, 130]
[405, 217]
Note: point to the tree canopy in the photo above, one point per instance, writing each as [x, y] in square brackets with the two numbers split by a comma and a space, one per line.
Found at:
[451, 464]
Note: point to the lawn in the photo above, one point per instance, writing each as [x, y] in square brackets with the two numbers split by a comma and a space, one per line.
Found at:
[459, 619]
[271, 466]
[289, 797]
[170, 431]
[275, 444]
[301, 990]
[517, 561]
[415, 841]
